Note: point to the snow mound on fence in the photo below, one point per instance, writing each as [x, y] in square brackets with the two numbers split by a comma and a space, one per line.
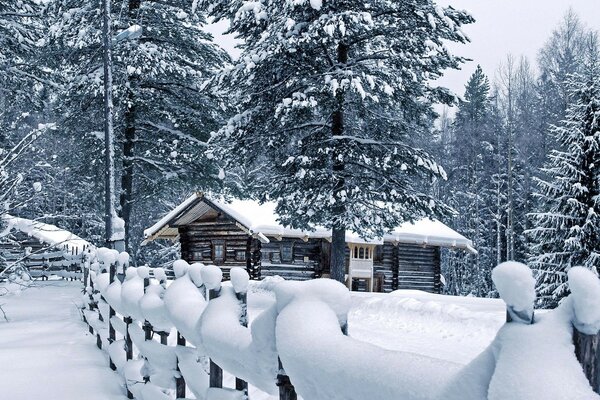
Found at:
[516, 285]
[585, 299]
[185, 304]
[313, 350]
[248, 353]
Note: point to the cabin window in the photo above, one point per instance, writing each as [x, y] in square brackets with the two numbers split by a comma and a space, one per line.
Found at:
[361, 252]
[240, 255]
[275, 257]
[218, 251]
[378, 256]
[356, 252]
[287, 253]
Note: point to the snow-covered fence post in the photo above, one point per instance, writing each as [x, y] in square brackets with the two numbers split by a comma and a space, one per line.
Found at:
[585, 300]
[212, 277]
[286, 388]
[516, 286]
[111, 314]
[240, 280]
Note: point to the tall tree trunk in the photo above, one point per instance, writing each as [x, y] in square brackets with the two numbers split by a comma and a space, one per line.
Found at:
[126, 197]
[338, 231]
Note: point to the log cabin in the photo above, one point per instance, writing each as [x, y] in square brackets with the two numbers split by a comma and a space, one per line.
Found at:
[42, 249]
[247, 234]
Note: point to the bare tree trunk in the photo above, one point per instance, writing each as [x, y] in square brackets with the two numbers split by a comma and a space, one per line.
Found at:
[338, 231]
[109, 151]
[126, 197]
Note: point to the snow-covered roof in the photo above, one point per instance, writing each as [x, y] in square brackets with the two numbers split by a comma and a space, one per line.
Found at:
[262, 220]
[46, 233]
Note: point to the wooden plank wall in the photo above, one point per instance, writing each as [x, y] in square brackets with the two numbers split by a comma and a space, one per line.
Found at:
[198, 238]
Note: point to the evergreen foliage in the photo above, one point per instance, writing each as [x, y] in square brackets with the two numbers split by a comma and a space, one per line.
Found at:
[328, 95]
[566, 230]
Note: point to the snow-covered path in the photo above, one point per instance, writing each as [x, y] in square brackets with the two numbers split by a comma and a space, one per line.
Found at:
[45, 350]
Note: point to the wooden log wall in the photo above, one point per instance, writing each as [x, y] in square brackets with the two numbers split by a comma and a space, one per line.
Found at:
[418, 267]
[306, 262]
[198, 241]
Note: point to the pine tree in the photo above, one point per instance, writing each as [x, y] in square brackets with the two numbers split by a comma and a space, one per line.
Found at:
[471, 163]
[566, 231]
[329, 93]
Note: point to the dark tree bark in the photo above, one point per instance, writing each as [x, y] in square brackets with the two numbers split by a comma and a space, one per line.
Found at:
[126, 197]
[338, 231]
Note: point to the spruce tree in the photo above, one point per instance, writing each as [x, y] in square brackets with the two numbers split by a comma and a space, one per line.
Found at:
[566, 230]
[329, 94]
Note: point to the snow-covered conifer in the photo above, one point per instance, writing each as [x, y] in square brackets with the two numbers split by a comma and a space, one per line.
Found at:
[329, 94]
[566, 230]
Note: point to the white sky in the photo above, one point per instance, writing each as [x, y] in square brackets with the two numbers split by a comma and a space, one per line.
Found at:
[518, 27]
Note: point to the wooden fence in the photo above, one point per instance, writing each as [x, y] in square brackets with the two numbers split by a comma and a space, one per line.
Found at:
[106, 331]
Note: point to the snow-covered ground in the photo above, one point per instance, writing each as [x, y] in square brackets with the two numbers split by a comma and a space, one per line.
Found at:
[51, 355]
[45, 350]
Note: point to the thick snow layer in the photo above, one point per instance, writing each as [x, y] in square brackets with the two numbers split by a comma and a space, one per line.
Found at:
[239, 279]
[195, 272]
[184, 303]
[107, 256]
[117, 354]
[160, 274]
[248, 353]
[212, 276]
[224, 394]
[180, 268]
[132, 290]
[537, 362]
[585, 298]
[313, 349]
[262, 219]
[331, 292]
[161, 357]
[46, 352]
[193, 368]
[113, 297]
[46, 233]
[153, 308]
[516, 285]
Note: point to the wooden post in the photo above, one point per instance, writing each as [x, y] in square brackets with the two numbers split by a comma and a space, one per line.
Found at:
[286, 389]
[163, 337]
[241, 384]
[587, 350]
[216, 373]
[179, 382]
[111, 313]
[128, 342]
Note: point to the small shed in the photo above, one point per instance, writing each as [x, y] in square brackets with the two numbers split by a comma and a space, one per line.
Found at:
[247, 234]
[39, 247]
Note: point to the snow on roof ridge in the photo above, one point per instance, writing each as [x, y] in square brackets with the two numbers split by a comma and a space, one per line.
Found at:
[47, 233]
[170, 215]
[261, 219]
